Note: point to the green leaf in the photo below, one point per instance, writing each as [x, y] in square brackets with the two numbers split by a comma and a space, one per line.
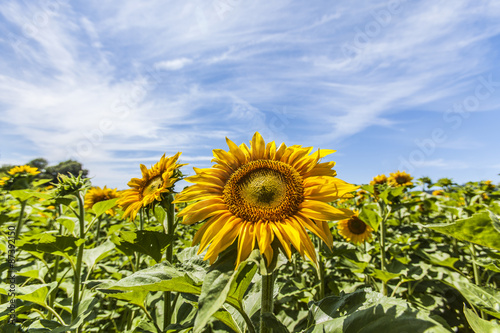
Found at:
[367, 311]
[36, 293]
[39, 182]
[215, 289]
[160, 214]
[270, 320]
[135, 297]
[480, 325]
[86, 308]
[101, 207]
[160, 277]
[49, 243]
[484, 298]
[242, 280]
[390, 193]
[92, 256]
[370, 216]
[22, 195]
[477, 229]
[151, 243]
[384, 276]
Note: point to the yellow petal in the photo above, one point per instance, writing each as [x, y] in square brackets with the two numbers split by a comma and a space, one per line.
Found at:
[258, 146]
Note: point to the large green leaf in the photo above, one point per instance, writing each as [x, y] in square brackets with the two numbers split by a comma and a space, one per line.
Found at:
[480, 325]
[101, 207]
[160, 277]
[215, 289]
[478, 229]
[370, 215]
[483, 298]
[151, 243]
[367, 311]
[242, 280]
[50, 243]
[92, 256]
[36, 293]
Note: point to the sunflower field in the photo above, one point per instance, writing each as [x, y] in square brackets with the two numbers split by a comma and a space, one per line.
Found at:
[268, 239]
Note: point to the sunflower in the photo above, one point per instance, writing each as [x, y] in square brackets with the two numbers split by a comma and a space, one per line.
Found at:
[264, 197]
[378, 180]
[3, 180]
[354, 230]
[438, 192]
[154, 184]
[97, 194]
[24, 169]
[400, 178]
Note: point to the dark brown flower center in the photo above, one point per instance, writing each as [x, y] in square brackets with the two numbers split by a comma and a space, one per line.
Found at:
[264, 190]
[356, 226]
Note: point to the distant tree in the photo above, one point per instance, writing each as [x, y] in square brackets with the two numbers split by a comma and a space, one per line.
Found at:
[5, 168]
[65, 168]
[50, 172]
[40, 163]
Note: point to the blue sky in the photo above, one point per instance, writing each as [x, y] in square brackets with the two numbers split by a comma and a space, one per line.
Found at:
[390, 85]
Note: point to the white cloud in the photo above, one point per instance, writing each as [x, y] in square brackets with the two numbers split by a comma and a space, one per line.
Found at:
[173, 65]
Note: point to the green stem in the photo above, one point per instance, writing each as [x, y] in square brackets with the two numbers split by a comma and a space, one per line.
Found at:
[247, 319]
[20, 220]
[475, 269]
[141, 227]
[79, 259]
[54, 278]
[98, 230]
[266, 301]
[382, 248]
[321, 275]
[167, 296]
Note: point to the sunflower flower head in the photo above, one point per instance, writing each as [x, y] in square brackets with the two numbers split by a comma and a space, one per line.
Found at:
[97, 194]
[438, 192]
[354, 229]
[24, 169]
[264, 197]
[19, 177]
[399, 178]
[155, 184]
[379, 180]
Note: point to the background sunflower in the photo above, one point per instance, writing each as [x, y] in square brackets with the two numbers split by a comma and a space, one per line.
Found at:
[154, 184]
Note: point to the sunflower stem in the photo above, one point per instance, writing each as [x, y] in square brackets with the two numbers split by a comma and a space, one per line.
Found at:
[167, 296]
[79, 259]
[20, 220]
[477, 277]
[382, 248]
[266, 300]
[321, 274]
[98, 230]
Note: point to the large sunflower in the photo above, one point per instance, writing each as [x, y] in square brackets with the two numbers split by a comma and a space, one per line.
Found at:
[97, 194]
[262, 194]
[24, 169]
[155, 182]
[400, 178]
[355, 230]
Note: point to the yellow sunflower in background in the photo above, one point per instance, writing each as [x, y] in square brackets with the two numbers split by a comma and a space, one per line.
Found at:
[378, 180]
[24, 169]
[354, 230]
[155, 182]
[3, 180]
[400, 178]
[262, 194]
[97, 194]
[438, 192]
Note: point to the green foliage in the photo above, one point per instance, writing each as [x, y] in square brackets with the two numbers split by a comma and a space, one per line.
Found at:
[431, 269]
